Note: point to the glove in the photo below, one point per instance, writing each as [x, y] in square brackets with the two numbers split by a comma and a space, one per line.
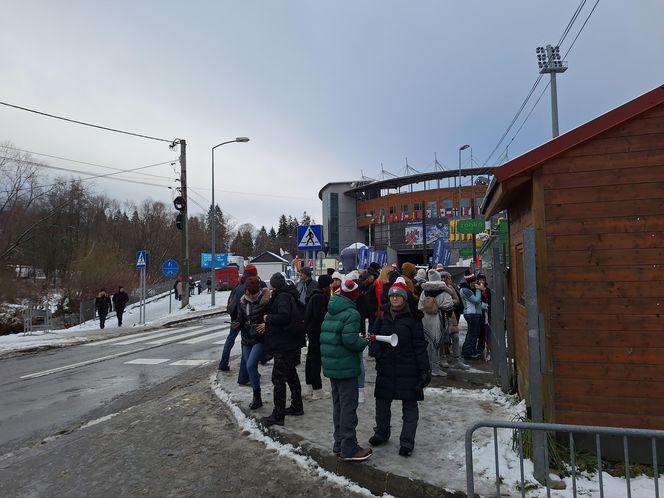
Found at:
[425, 379]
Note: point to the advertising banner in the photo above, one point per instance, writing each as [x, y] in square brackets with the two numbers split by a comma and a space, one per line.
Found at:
[220, 260]
[438, 229]
[442, 253]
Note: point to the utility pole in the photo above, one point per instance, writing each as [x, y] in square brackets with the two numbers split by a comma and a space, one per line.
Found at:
[185, 219]
[548, 60]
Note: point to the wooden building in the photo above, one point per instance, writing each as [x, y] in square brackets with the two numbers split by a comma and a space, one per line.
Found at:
[595, 200]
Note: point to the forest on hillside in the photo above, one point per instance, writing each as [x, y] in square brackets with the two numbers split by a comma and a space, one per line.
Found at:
[61, 236]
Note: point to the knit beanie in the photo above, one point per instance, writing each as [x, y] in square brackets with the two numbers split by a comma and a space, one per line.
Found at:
[373, 271]
[421, 275]
[306, 270]
[324, 281]
[349, 289]
[251, 271]
[470, 278]
[392, 276]
[277, 281]
[434, 276]
[399, 288]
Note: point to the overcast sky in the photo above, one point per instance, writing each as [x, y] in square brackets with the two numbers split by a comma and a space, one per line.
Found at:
[326, 91]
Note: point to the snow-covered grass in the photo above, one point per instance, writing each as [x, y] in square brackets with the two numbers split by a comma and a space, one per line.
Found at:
[156, 312]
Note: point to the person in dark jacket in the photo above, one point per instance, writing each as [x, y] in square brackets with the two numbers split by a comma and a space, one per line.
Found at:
[283, 340]
[120, 300]
[305, 285]
[402, 371]
[314, 314]
[103, 306]
[340, 344]
[232, 308]
[391, 278]
[251, 311]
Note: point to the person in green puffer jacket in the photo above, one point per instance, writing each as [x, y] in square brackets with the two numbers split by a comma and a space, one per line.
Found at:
[340, 344]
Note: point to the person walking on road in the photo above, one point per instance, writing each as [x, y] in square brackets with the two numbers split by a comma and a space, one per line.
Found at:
[340, 344]
[402, 371]
[284, 337]
[103, 306]
[120, 300]
[314, 314]
[252, 309]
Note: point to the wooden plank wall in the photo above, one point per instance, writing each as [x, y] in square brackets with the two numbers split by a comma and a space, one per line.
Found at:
[520, 217]
[604, 204]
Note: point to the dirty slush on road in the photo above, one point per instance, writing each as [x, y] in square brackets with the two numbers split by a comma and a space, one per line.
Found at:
[176, 439]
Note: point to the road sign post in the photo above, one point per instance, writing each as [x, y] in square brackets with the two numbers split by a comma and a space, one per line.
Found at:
[142, 259]
[310, 238]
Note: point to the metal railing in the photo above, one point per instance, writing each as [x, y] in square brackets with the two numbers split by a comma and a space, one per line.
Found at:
[35, 312]
[625, 433]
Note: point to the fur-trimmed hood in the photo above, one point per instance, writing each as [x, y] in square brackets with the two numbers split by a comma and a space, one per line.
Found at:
[264, 297]
[434, 286]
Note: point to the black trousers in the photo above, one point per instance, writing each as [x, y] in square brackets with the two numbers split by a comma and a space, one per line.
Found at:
[102, 320]
[313, 364]
[409, 415]
[119, 312]
[285, 372]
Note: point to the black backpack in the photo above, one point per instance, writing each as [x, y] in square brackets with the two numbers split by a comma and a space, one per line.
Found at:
[297, 320]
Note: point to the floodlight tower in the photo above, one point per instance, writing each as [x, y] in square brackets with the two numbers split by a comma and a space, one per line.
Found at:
[548, 60]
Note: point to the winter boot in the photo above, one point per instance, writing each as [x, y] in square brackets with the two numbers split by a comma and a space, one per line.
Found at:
[257, 402]
[360, 395]
[307, 391]
[294, 410]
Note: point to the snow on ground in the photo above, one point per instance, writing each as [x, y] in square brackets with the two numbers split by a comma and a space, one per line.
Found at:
[156, 312]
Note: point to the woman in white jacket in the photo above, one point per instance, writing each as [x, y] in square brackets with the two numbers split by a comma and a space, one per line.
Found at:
[435, 301]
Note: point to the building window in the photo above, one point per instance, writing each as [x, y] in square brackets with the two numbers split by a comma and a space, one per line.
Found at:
[333, 223]
[417, 206]
[432, 209]
[465, 202]
[393, 209]
[404, 208]
[448, 203]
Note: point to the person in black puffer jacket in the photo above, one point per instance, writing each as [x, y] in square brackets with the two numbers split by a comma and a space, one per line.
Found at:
[283, 339]
[402, 371]
[250, 315]
[314, 314]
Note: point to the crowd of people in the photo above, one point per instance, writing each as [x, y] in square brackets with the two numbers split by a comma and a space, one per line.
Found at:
[336, 318]
[104, 304]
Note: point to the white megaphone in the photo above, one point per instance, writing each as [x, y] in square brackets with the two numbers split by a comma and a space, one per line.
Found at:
[392, 340]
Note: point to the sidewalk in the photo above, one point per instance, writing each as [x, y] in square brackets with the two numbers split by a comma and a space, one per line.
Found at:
[437, 465]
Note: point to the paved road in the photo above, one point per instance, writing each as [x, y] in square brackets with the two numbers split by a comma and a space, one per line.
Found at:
[45, 392]
[173, 439]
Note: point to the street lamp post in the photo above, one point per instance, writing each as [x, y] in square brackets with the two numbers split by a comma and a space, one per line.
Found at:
[213, 220]
[463, 147]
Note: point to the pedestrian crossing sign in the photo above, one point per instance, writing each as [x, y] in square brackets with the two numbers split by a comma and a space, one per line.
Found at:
[142, 259]
[310, 238]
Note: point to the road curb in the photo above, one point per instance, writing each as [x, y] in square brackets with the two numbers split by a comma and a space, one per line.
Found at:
[377, 481]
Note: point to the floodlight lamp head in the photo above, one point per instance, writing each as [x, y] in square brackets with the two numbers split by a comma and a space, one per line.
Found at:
[242, 139]
[464, 147]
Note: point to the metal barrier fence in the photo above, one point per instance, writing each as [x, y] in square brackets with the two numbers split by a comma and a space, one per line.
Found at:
[36, 312]
[625, 433]
[87, 308]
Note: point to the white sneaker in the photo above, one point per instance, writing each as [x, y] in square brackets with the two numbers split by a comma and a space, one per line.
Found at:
[360, 395]
[307, 391]
[438, 373]
[458, 364]
[443, 362]
[319, 394]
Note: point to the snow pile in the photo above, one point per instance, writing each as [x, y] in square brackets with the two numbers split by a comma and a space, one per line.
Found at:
[250, 426]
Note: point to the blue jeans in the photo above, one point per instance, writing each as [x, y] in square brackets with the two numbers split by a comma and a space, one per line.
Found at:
[251, 356]
[243, 377]
[475, 323]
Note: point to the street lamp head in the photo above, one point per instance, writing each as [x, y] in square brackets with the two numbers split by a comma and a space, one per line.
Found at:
[241, 139]
[464, 147]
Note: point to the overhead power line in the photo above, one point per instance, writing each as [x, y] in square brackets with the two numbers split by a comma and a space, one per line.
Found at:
[115, 130]
[564, 35]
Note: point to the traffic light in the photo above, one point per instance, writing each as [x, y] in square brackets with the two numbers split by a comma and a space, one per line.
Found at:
[178, 221]
[179, 203]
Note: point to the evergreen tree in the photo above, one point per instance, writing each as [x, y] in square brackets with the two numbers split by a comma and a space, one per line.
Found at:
[236, 245]
[306, 219]
[262, 243]
[247, 244]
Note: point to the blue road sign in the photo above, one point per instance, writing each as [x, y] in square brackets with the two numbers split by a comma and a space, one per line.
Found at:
[220, 260]
[142, 259]
[310, 237]
[170, 268]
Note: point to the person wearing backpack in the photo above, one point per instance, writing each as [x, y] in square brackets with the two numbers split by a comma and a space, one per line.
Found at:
[435, 301]
[284, 336]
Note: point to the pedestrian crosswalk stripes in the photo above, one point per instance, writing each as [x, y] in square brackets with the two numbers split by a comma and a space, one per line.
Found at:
[157, 361]
[183, 336]
[204, 338]
[123, 340]
[165, 336]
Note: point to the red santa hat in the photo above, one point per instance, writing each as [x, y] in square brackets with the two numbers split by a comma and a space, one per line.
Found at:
[399, 288]
[349, 289]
